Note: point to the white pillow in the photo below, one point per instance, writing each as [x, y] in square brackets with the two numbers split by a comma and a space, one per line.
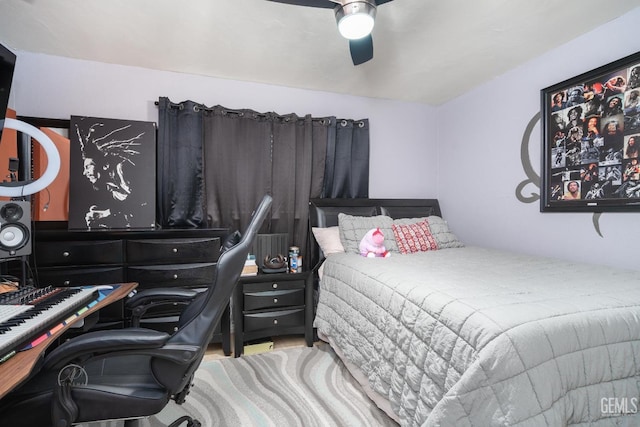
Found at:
[328, 239]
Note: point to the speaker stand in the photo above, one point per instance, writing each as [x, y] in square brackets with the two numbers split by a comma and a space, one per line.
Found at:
[24, 259]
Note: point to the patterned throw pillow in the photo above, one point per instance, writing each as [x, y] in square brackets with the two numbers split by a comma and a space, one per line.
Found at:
[439, 230]
[414, 237]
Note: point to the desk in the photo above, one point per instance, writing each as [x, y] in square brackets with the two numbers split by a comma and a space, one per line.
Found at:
[17, 369]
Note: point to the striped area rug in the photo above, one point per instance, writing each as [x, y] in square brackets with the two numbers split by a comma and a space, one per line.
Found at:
[302, 386]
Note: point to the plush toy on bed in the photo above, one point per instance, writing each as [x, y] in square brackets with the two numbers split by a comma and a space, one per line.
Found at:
[372, 244]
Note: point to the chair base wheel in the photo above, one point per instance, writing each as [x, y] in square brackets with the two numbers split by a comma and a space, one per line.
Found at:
[190, 422]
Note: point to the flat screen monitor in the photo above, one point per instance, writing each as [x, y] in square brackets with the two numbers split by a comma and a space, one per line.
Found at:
[7, 66]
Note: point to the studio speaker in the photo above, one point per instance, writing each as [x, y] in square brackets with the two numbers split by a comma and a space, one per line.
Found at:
[15, 229]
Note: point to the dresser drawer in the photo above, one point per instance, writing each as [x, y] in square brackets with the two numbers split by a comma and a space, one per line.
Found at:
[172, 275]
[273, 285]
[162, 251]
[273, 299]
[80, 276]
[273, 320]
[79, 253]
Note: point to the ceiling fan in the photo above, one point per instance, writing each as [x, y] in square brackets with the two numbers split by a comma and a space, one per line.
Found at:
[355, 21]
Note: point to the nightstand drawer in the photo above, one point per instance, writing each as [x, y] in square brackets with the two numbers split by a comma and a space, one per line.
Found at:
[62, 277]
[172, 275]
[273, 299]
[273, 285]
[78, 253]
[162, 251]
[273, 320]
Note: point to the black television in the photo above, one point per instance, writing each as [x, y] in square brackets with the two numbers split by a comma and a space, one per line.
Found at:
[7, 66]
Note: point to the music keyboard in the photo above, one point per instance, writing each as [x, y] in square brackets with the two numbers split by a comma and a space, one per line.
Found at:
[34, 316]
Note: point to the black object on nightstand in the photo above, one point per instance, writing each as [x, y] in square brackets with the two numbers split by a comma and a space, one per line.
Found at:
[267, 305]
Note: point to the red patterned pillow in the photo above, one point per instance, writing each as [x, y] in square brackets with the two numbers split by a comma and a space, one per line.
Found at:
[414, 237]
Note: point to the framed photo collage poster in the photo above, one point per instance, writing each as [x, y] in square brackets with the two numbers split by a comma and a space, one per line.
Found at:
[591, 140]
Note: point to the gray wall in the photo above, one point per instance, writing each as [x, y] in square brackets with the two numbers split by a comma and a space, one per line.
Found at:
[480, 164]
[403, 160]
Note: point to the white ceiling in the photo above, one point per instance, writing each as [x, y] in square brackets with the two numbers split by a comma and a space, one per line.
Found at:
[426, 51]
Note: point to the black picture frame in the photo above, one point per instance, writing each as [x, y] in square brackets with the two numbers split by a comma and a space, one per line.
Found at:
[591, 140]
[112, 174]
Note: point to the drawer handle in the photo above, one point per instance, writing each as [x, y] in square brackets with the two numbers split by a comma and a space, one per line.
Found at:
[175, 250]
[175, 276]
[275, 285]
[275, 300]
[275, 321]
[65, 253]
[67, 283]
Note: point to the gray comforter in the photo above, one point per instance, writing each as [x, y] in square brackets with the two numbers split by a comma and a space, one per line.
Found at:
[477, 337]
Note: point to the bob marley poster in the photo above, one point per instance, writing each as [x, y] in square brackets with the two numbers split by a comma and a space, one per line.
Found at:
[112, 174]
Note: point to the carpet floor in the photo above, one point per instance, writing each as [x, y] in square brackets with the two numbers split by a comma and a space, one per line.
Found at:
[303, 386]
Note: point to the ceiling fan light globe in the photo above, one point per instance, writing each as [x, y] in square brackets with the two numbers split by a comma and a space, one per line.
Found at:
[356, 19]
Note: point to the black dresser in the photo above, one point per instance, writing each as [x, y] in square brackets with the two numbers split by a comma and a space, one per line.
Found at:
[153, 258]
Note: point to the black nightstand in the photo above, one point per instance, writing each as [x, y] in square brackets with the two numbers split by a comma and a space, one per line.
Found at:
[268, 305]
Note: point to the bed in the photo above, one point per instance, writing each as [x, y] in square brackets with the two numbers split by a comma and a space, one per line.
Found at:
[454, 335]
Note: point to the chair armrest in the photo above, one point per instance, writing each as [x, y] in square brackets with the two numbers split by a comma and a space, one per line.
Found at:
[117, 340]
[144, 300]
[168, 295]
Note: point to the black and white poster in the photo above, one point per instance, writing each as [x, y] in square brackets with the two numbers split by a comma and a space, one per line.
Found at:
[113, 174]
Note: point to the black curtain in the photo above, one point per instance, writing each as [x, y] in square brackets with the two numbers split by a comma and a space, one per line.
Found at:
[347, 165]
[237, 165]
[179, 176]
[248, 154]
[236, 156]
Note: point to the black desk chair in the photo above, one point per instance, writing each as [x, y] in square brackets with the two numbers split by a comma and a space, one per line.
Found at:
[129, 373]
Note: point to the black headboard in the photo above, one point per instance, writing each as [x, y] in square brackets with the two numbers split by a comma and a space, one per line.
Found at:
[324, 213]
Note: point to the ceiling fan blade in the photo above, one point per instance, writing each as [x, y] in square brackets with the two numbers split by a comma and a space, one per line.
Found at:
[361, 49]
[326, 4]
[379, 2]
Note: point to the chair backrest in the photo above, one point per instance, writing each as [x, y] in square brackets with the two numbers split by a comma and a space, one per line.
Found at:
[205, 312]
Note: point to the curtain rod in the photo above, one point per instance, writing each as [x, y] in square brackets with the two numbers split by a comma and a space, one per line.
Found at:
[198, 107]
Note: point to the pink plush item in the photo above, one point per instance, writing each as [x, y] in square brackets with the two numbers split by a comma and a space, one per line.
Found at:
[372, 244]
